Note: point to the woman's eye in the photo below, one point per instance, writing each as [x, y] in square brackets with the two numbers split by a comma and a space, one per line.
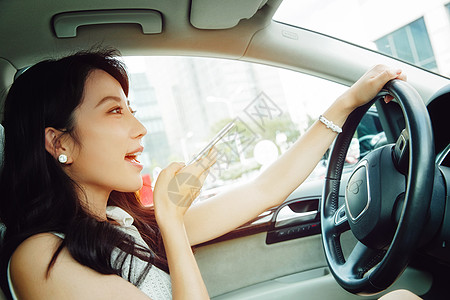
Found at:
[116, 110]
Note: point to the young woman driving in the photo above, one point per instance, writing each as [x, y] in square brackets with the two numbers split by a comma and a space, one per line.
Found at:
[75, 226]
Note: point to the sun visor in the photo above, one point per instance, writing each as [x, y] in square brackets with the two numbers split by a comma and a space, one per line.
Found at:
[220, 14]
[66, 24]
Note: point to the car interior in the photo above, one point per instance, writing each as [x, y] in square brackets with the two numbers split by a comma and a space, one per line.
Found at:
[314, 245]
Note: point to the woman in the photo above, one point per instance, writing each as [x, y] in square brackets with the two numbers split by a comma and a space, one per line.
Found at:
[75, 228]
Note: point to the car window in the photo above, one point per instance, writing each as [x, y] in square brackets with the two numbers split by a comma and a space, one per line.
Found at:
[185, 101]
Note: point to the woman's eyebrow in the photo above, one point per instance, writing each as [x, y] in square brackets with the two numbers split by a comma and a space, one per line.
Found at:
[108, 98]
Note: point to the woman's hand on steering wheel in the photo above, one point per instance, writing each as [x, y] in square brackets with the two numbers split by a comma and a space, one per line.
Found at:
[368, 86]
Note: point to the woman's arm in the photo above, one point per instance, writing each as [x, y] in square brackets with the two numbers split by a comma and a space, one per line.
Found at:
[177, 186]
[228, 210]
[187, 282]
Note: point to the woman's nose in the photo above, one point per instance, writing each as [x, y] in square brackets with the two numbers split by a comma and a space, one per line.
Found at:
[139, 129]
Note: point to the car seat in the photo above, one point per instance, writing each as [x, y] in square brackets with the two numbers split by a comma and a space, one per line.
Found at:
[2, 226]
[2, 144]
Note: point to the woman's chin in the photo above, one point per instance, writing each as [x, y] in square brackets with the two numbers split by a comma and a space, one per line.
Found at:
[131, 187]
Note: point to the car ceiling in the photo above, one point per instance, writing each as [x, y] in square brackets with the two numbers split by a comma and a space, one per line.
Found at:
[23, 21]
[235, 29]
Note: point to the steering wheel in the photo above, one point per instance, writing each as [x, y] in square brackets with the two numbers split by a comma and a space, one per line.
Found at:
[386, 200]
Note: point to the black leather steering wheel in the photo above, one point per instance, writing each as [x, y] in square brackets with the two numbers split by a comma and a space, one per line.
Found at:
[385, 206]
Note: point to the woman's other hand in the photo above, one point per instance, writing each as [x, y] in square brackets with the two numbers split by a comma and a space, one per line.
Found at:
[178, 185]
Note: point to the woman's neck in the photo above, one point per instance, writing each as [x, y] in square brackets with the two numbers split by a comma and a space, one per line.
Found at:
[95, 201]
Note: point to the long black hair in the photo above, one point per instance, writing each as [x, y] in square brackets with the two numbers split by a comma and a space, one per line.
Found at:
[38, 196]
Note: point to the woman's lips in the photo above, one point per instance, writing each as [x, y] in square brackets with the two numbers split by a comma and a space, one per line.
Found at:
[132, 160]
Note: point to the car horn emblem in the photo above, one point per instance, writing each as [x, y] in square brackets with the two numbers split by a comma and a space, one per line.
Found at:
[354, 186]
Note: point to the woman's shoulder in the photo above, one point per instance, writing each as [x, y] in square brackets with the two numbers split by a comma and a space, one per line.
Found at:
[67, 279]
[38, 249]
[29, 262]
[34, 253]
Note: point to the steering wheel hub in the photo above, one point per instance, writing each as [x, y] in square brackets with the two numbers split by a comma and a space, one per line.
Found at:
[370, 197]
[357, 193]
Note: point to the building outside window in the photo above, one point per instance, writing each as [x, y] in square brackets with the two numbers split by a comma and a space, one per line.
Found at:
[410, 43]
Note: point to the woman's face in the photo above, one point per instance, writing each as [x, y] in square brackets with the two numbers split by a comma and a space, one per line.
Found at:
[109, 139]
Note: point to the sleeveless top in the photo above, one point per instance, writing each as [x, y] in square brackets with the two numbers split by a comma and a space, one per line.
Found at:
[156, 285]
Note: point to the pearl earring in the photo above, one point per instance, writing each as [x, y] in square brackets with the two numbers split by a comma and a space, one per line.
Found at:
[62, 158]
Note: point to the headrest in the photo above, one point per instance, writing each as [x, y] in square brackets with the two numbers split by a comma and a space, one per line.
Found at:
[2, 145]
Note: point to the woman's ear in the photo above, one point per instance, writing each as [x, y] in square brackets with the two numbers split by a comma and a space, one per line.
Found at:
[54, 144]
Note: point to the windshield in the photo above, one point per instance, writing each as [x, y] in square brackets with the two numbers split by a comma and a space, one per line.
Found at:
[415, 31]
